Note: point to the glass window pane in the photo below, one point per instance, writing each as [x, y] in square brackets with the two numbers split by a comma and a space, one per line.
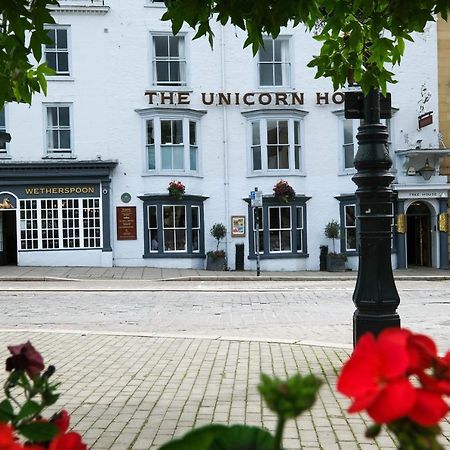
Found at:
[278, 70]
[152, 220]
[151, 157]
[162, 71]
[52, 139]
[266, 52]
[178, 158]
[272, 132]
[283, 132]
[169, 240]
[64, 119]
[61, 39]
[180, 216]
[175, 71]
[180, 239]
[348, 131]
[274, 241]
[63, 62]
[348, 156]
[297, 156]
[174, 45]
[177, 130]
[64, 137]
[278, 46]
[168, 216]
[299, 217]
[195, 240]
[296, 132]
[195, 215]
[285, 217]
[350, 216]
[150, 132]
[351, 238]
[272, 157]
[161, 46]
[284, 157]
[255, 134]
[256, 157]
[166, 132]
[299, 240]
[285, 240]
[193, 158]
[266, 74]
[52, 37]
[52, 116]
[50, 57]
[166, 158]
[274, 218]
[192, 132]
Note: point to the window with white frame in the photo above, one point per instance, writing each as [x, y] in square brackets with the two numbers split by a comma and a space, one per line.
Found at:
[275, 143]
[350, 227]
[350, 143]
[174, 228]
[281, 229]
[169, 60]
[274, 64]
[49, 224]
[3, 145]
[172, 142]
[57, 51]
[58, 129]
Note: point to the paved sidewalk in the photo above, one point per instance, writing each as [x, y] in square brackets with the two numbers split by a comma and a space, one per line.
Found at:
[12, 273]
[131, 392]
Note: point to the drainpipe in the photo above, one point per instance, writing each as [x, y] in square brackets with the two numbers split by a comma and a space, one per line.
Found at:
[226, 182]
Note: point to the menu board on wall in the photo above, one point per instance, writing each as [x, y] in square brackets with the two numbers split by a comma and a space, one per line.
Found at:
[126, 223]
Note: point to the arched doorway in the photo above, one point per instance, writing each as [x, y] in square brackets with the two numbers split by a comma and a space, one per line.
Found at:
[418, 235]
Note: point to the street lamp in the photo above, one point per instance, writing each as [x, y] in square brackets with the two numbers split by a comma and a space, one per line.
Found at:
[426, 171]
[375, 296]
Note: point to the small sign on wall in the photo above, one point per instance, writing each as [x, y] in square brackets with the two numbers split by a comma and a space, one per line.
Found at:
[126, 223]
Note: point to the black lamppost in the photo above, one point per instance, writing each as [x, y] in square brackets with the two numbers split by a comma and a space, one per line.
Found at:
[375, 297]
[4, 137]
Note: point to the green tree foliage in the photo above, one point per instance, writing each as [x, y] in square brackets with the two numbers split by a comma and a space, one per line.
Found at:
[22, 35]
[361, 39]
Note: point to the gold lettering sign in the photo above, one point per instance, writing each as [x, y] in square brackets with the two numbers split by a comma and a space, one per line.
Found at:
[443, 222]
[60, 190]
[401, 223]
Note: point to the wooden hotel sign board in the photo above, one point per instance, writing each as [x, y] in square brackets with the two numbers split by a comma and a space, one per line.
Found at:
[126, 223]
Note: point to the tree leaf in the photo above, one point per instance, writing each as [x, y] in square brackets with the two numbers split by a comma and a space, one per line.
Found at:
[38, 431]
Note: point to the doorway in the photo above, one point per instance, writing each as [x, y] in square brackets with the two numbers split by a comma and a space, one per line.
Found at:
[418, 235]
[8, 238]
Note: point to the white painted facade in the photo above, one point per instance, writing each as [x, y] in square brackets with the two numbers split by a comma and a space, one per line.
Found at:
[110, 60]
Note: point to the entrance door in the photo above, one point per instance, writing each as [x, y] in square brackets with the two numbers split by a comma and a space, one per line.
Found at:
[419, 235]
[8, 238]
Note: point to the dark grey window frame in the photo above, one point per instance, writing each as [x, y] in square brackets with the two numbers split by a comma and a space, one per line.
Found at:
[268, 201]
[159, 201]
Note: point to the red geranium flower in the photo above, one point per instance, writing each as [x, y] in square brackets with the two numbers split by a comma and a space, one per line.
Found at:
[375, 376]
[7, 438]
[428, 409]
[422, 352]
[25, 357]
[61, 420]
[69, 441]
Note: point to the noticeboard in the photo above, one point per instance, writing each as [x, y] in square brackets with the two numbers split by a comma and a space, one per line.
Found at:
[126, 223]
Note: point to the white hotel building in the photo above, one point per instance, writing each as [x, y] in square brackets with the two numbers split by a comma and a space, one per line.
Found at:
[132, 107]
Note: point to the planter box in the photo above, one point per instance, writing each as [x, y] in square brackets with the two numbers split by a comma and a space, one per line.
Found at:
[214, 263]
[335, 263]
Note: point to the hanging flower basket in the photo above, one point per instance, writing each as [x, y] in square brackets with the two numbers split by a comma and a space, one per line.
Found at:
[283, 191]
[176, 189]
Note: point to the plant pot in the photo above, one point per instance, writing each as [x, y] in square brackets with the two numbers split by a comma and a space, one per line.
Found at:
[215, 262]
[335, 263]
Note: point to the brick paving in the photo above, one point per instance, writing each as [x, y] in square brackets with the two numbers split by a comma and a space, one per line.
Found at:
[134, 392]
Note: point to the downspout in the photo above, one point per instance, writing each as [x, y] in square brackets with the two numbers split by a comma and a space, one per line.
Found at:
[226, 182]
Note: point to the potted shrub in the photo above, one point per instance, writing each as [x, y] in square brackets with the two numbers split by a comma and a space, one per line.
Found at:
[335, 261]
[216, 260]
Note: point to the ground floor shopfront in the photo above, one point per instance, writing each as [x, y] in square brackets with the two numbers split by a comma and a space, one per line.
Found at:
[55, 213]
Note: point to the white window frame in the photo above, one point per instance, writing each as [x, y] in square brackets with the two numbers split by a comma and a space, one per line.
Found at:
[262, 118]
[300, 230]
[61, 75]
[161, 114]
[349, 227]
[58, 153]
[38, 226]
[175, 228]
[167, 86]
[356, 123]
[286, 72]
[4, 153]
[280, 229]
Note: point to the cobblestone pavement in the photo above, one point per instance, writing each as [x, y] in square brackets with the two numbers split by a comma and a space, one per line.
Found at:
[298, 311]
[130, 392]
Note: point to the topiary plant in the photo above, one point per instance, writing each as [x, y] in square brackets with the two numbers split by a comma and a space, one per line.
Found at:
[332, 231]
[218, 232]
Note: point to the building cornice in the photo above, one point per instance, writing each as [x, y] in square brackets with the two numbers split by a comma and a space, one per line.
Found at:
[84, 8]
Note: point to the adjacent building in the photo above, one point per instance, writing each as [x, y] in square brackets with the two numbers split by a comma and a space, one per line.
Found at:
[84, 180]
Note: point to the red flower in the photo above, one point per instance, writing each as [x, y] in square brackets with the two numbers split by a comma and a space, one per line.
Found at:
[25, 357]
[61, 420]
[428, 409]
[7, 438]
[375, 376]
[422, 352]
[69, 441]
